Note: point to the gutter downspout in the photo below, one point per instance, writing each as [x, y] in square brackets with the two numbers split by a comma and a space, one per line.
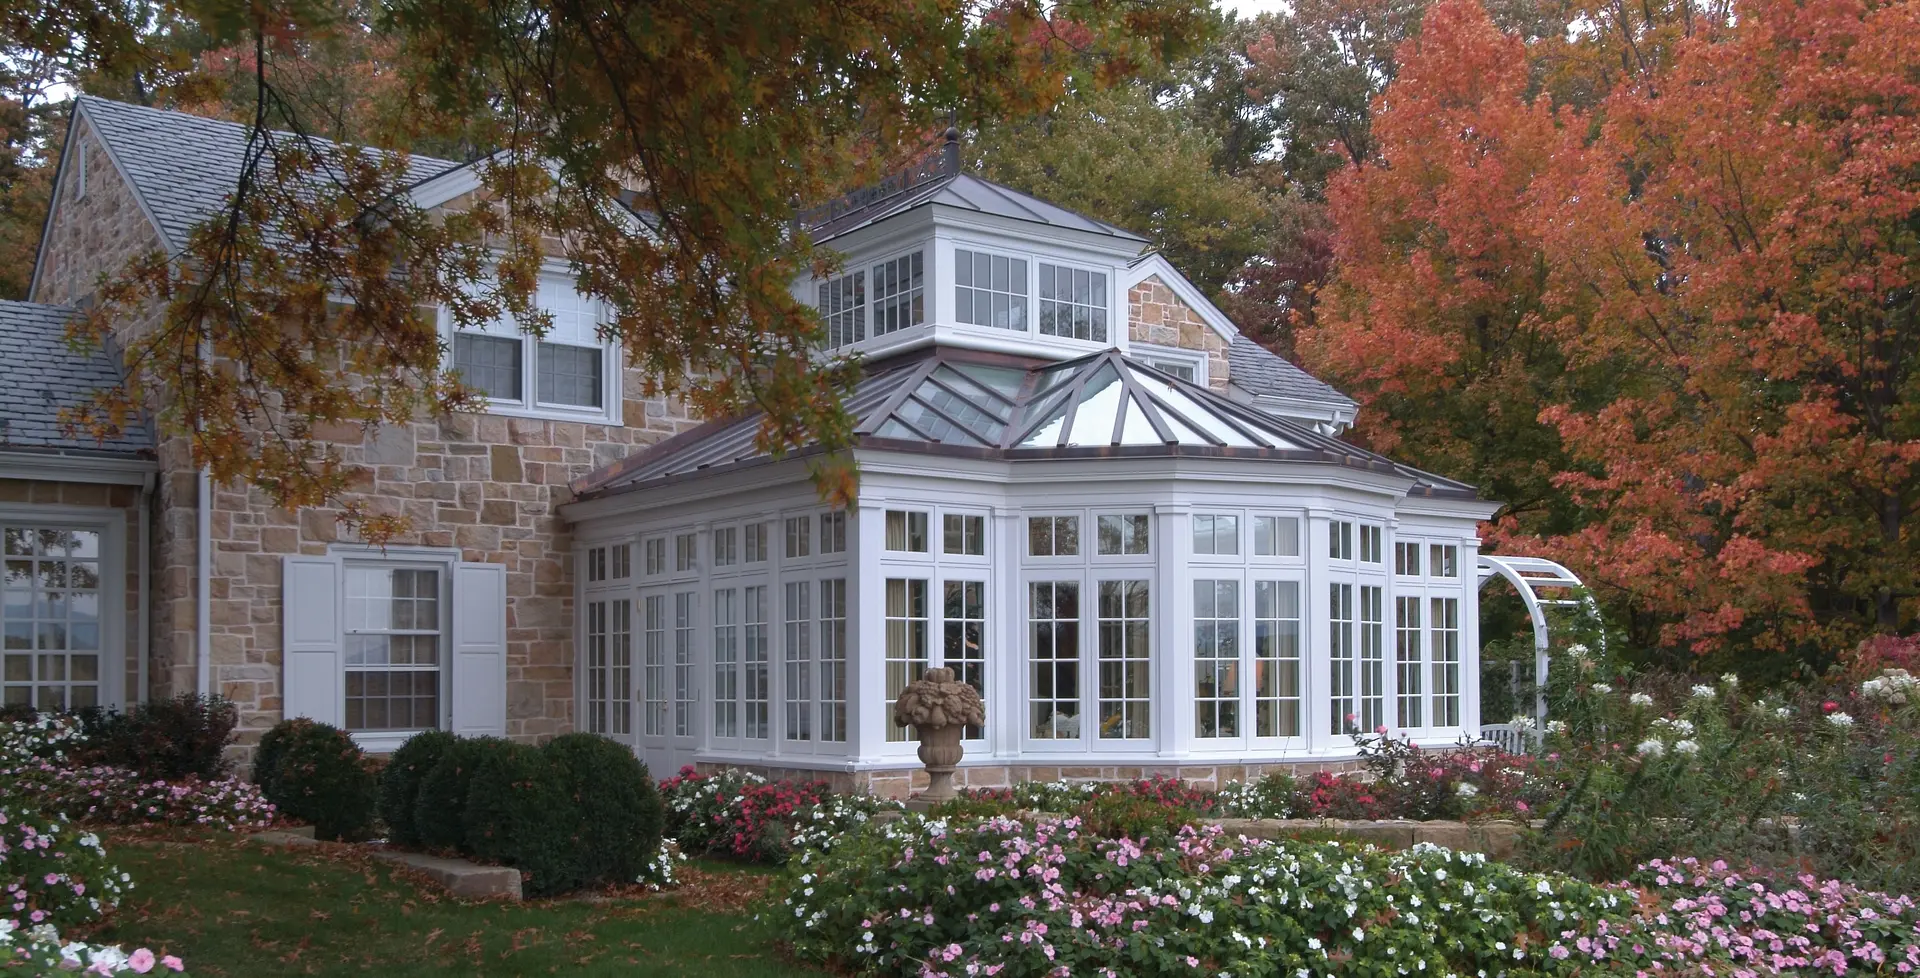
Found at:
[203, 610]
[144, 646]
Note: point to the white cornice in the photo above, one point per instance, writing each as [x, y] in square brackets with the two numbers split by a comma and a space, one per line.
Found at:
[55, 467]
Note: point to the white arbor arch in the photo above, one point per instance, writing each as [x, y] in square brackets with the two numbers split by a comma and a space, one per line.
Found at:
[1542, 584]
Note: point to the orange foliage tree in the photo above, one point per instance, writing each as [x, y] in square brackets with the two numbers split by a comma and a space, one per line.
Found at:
[1676, 327]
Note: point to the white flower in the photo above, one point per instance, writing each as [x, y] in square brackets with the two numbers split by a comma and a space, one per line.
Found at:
[1602, 688]
[1840, 720]
[1466, 789]
[1730, 680]
[1640, 699]
[1703, 692]
[1521, 721]
[1892, 687]
[1783, 713]
[1557, 726]
[1686, 747]
[1650, 748]
[1577, 650]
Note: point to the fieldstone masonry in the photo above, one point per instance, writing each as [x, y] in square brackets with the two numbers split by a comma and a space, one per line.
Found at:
[1156, 315]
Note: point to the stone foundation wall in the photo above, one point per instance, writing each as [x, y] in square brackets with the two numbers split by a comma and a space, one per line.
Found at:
[901, 783]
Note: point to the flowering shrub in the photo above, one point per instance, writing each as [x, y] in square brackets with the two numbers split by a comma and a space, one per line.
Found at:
[1006, 897]
[1822, 779]
[40, 949]
[47, 737]
[52, 873]
[741, 814]
[1269, 797]
[118, 796]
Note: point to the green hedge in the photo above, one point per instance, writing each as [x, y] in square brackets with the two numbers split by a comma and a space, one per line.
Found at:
[439, 811]
[400, 782]
[319, 775]
[619, 812]
[519, 813]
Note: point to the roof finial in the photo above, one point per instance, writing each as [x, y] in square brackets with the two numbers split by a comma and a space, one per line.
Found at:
[950, 153]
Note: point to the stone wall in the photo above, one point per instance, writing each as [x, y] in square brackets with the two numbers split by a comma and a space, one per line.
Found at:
[899, 783]
[486, 484]
[31, 492]
[1156, 315]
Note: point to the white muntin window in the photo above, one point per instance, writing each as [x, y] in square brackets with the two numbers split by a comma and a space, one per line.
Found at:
[842, 301]
[963, 535]
[1124, 633]
[833, 532]
[1073, 302]
[1443, 560]
[1276, 536]
[833, 660]
[1443, 638]
[1188, 365]
[899, 293]
[1124, 534]
[1372, 664]
[1409, 660]
[756, 679]
[726, 663]
[686, 553]
[1406, 558]
[572, 373]
[60, 595]
[1053, 536]
[1341, 625]
[653, 669]
[990, 289]
[907, 623]
[797, 650]
[1278, 691]
[609, 667]
[1216, 659]
[906, 531]
[799, 534]
[386, 643]
[685, 620]
[1340, 540]
[1053, 657]
[1216, 534]
[964, 637]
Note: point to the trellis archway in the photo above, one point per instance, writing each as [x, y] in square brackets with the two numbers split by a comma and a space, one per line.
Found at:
[1542, 584]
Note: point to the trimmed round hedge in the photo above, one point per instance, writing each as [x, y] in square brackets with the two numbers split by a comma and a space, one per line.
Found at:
[400, 782]
[440, 808]
[619, 813]
[520, 812]
[319, 775]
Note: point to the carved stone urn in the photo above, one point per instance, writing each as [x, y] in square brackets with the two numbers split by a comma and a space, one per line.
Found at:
[939, 709]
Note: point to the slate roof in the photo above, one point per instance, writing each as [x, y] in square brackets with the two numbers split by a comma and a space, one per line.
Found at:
[1257, 370]
[183, 166]
[952, 188]
[959, 403]
[40, 374]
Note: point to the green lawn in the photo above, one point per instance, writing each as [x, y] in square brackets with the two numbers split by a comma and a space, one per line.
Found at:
[234, 908]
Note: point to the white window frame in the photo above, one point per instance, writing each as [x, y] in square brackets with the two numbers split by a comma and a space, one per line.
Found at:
[611, 410]
[111, 524]
[444, 560]
[1153, 354]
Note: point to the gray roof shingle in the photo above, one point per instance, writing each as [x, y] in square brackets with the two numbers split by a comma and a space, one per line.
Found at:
[1257, 370]
[40, 374]
[183, 167]
[967, 192]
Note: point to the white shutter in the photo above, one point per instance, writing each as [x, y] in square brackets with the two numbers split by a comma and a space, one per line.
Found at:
[479, 649]
[310, 677]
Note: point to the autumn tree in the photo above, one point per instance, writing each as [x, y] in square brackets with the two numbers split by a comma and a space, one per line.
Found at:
[667, 145]
[1702, 278]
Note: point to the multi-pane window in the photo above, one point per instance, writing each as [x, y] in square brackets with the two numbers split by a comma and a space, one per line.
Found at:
[1126, 657]
[571, 375]
[1406, 559]
[833, 660]
[1053, 536]
[653, 665]
[756, 542]
[756, 682]
[1276, 536]
[654, 555]
[1276, 659]
[907, 531]
[1216, 658]
[799, 536]
[393, 631]
[50, 614]
[1371, 543]
[490, 364]
[1216, 534]
[686, 552]
[1053, 629]
[1445, 642]
[596, 564]
[610, 667]
[726, 663]
[843, 304]
[799, 661]
[1340, 682]
[1073, 303]
[833, 532]
[1340, 540]
[990, 290]
[683, 663]
[899, 294]
[1126, 533]
[1443, 561]
[726, 546]
[1373, 680]
[1407, 662]
[906, 643]
[622, 560]
[965, 644]
[963, 534]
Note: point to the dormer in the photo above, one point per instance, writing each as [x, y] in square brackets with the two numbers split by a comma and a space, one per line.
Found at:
[935, 255]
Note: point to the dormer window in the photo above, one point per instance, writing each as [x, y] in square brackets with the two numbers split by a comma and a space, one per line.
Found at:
[1073, 303]
[990, 290]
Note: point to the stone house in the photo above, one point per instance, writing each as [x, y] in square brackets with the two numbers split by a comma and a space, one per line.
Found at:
[583, 557]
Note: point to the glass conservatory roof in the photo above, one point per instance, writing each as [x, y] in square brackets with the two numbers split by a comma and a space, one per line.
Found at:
[986, 405]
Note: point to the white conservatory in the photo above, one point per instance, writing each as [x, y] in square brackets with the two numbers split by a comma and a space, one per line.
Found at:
[1134, 531]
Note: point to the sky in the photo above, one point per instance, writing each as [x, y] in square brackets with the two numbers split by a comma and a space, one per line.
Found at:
[1253, 8]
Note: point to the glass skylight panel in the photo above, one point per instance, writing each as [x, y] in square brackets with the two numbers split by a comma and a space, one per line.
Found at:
[1073, 303]
[1006, 381]
[1194, 414]
[974, 392]
[990, 290]
[1101, 402]
[985, 427]
[938, 428]
[1138, 430]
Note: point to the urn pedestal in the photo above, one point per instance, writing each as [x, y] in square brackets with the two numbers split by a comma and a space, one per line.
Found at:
[939, 709]
[940, 751]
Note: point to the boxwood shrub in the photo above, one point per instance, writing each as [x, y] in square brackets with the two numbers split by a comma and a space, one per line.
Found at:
[439, 809]
[520, 813]
[400, 782]
[617, 832]
[321, 776]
